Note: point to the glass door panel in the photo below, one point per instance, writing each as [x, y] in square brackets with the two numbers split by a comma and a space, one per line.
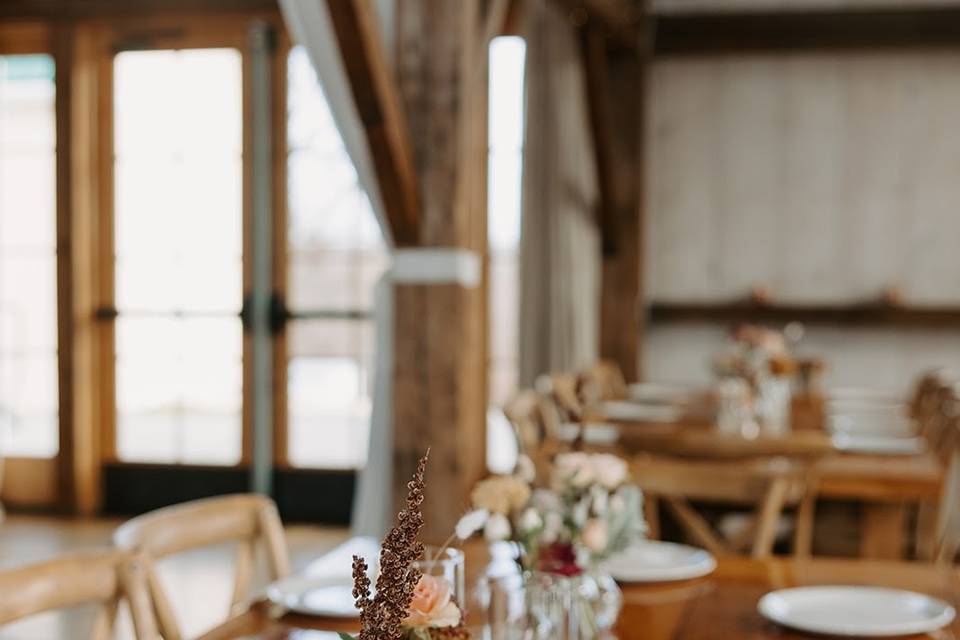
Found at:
[178, 176]
[28, 258]
[335, 255]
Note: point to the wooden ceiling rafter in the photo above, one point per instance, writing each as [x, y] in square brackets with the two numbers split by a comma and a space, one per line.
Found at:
[620, 20]
[379, 105]
[75, 9]
[825, 29]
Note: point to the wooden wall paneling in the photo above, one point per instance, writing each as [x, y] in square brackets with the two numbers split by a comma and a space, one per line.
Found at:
[439, 370]
[823, 177]
[381, 112]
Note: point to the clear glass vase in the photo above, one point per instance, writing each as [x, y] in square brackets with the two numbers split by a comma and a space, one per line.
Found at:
[581, 607]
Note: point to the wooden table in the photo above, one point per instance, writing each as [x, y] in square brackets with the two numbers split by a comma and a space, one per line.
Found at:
[884, 484]
[719, 607]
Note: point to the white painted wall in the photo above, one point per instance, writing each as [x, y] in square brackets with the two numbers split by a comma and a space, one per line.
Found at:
[823, 177]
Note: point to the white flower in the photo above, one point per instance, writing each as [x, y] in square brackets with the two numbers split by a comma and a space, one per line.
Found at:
[546, 500]
[525, 469]
[599, 499]
[594, 536]
[575, 469]
[580, 512]
[552, 526]
[497, 528]
[471, 522]
[609, 470]
[530, 521]
[617, 503]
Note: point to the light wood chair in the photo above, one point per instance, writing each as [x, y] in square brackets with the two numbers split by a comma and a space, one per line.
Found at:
[104, 578]
[246, 519]
[767, 484]
[603, 381]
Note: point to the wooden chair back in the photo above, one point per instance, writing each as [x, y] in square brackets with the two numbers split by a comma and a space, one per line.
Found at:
[103, 578]
[603, 381]
[246, 519]
[768, 484]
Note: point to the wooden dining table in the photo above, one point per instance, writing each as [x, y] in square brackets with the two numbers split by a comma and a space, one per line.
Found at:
[885, 485]
[721, 606]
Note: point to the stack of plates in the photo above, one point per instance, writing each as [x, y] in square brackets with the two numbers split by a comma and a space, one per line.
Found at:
[653, 561]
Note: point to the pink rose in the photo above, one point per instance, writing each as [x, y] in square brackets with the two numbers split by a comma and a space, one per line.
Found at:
[595, 536]
[432, 605]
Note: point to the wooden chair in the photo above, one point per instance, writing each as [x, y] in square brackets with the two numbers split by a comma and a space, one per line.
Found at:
[103, 578]
[603, 381]
[246, 519]
[768, 484]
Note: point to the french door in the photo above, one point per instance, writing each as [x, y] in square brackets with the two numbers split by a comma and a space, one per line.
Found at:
[237, 330]
[29, 380]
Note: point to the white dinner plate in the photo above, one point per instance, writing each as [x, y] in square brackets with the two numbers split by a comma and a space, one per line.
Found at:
[878, 444]
[624, 410]
[856, 612]
[653, 561]
[330, 597]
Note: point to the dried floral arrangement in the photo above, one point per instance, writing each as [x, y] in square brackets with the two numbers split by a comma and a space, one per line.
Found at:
[407, 605]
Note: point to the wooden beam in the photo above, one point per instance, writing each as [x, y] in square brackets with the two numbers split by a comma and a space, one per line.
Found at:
[875, 314]
[618, 19]
[593, 50]
[60, 9]
[615, 97]
[379, 104]
[439, 373]
[746, 32]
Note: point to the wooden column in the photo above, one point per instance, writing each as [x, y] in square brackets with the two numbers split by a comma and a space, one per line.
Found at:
[615, 85]
[440, 330]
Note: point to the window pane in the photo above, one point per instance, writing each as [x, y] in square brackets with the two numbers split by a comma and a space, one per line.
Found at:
[329, 382]
[179, 389]
[336, 255]
[178, 247]
[335, 245]
[28, 262]
[505, 166]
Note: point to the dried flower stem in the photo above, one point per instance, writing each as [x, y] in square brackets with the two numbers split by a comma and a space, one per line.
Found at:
[381, 616]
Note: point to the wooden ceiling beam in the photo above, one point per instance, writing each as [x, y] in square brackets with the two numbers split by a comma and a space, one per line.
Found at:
[378, 101]
[593, 49]
[745, 32]
[60, 9]
[620, 20]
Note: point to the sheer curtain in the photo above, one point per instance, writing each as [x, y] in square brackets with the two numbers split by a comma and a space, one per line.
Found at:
[560, 243]
[310, 24]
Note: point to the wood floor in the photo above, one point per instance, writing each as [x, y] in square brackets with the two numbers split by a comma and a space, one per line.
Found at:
[198, 582]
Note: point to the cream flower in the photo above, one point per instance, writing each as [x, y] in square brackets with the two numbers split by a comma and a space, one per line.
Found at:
[530, 520]
[500, 494]
[609, 470]
[432, 605]
[575, 469]
[497, 528]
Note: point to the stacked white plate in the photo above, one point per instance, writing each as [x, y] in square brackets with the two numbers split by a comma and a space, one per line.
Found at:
[654, 561]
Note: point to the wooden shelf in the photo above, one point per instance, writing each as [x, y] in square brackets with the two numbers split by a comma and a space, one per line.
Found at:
[861, 314]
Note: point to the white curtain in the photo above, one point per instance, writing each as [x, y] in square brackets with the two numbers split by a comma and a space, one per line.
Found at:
[560, 245]
[309, 23]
